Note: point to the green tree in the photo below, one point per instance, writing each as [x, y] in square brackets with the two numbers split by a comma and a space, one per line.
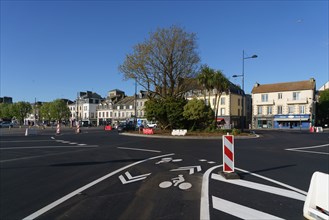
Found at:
[212, 80]
[6, 111]
[205, 79]
[20, 110]
[167, 112]
[45, 111]
[220, 85]
[59, 110]
[198, 113]
[323, 108]
[163, 63]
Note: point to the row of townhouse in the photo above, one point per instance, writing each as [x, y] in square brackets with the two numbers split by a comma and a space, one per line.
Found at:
[282, 105]
[288, 105]
[91, 109]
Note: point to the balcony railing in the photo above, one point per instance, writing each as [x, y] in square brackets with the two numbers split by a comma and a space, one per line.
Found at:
[266, 102]
[297, 101]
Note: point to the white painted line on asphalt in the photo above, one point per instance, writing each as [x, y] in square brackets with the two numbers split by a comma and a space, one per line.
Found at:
[44, 147]
[24, 141]
[240, 211]
[261, 187]
[274, 181]
[204, 201]
[70, 195]
[139, 149]
[302, 149]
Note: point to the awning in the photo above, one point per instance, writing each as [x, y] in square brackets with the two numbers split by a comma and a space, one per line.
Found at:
[291, 119]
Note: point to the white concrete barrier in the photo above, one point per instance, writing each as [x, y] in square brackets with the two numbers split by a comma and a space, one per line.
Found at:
[31, 131]
[316, 205]
[179, 132]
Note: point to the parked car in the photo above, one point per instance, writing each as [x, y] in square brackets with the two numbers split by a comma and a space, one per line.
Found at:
[125, 127]
[151, 125]
[6, 124]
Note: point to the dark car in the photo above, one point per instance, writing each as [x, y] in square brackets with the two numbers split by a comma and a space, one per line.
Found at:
[6, 124]
[125, 127]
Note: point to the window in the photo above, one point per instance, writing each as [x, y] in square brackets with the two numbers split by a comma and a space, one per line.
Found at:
[118, 107]
[239, 111]
[222, 111]
[264, 97]
[269, 110]
[99, 114]
[110, 114]
[291, 109]
[213, 101]
[85, 108]
[260, 110]
[103, 114]
[222, 101]
[238, 102]
[295, 95]
[279, 109]
[279, 95]
[130, 107]
[92, 115]
[107, 114]
[302, 109]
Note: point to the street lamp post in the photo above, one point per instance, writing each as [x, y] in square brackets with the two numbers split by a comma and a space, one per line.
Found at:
[243, 95]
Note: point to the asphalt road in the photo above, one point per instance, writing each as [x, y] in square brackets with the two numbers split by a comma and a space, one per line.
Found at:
[102, 175]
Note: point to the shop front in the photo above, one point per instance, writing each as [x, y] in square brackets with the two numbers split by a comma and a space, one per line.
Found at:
[297, 121]
[264, 122]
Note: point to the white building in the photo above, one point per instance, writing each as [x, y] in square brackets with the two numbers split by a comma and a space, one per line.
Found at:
[289, 105]
[84, 109]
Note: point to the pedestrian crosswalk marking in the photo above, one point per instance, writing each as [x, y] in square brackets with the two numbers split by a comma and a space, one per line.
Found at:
[243, 211]
[262, 187]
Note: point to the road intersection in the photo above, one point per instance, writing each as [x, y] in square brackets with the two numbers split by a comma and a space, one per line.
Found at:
[107, 176]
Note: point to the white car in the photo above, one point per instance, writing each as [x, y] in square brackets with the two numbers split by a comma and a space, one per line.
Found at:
[151, 125]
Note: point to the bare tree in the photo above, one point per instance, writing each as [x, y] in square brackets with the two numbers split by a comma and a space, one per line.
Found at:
[164, 62]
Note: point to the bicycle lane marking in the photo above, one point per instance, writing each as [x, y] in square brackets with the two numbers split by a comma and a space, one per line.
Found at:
[74, 193]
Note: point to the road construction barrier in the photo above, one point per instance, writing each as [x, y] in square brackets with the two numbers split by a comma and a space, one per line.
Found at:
[316, 205]
[318, 129]
[58, 129]
[228, 153]
[31, 131]
[179, 132]
[312, 129]
[108, 128]
[148, 131]
[78, 129]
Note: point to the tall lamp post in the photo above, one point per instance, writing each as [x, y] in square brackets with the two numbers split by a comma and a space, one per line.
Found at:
[243, 58]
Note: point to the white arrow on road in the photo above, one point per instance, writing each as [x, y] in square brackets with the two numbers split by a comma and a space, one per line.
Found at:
[131, 179]
[190, 168]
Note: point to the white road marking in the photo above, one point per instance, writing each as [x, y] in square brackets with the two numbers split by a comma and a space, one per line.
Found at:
[190, 168]
[44, 147]
[204, 201]
[24, 141]
[240, 211]
[139, 149]
[70, 195]
[302, 149]
[274, 181]
[261, 187]
[132, 178]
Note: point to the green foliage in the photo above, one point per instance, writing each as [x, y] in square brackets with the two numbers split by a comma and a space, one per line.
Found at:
[20, 110]
[323, 108]
[45, 111]
[59, 110]
[199, 114]
[236, 131]
[167, 112]
[6, 111]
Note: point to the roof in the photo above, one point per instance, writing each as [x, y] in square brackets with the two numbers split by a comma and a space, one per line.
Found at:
[282, 87]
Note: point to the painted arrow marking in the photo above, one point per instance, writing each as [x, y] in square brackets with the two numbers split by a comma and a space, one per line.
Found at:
[131, 179]
[190, 168]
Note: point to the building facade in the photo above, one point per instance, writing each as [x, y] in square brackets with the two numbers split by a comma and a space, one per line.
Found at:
[118, 108]
[84, 108]
[288, 105]
[229, 111]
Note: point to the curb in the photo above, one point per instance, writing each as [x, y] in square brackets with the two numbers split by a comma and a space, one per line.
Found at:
[188, 137]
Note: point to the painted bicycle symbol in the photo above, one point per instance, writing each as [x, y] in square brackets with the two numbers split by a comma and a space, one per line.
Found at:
[176, 181]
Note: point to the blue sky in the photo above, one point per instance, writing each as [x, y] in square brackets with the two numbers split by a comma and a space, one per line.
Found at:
[54, 49]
